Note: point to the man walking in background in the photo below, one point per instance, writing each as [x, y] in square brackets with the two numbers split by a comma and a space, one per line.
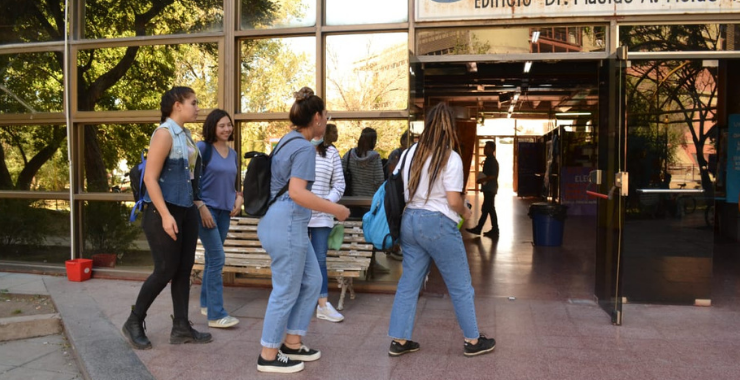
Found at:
[489, 180]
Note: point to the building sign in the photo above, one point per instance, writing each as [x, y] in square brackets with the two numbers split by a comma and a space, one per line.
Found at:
[440, 10]
[733, 159]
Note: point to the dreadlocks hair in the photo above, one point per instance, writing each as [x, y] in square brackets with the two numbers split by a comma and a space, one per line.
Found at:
[438, 139]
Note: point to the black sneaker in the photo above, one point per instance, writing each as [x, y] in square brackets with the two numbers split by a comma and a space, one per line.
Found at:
[491, 233]
[398, 349]
[302, 353]
[474, 231]
[483, 346]
[281, 364]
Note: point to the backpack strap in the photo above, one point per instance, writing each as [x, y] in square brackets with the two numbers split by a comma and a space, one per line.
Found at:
[139, 205]
[285, 188]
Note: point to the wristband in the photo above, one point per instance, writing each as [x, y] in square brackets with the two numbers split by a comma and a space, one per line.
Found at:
[201, 205]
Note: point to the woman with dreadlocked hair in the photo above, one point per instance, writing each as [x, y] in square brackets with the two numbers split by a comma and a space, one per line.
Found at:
[434, 203]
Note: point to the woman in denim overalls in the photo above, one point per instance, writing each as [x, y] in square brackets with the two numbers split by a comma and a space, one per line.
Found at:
[283, 232]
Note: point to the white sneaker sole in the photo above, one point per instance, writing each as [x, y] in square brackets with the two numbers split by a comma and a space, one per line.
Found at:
[304, 358]
[328, 318]
[276, 369]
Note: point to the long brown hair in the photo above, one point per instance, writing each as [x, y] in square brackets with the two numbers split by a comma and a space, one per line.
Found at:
[437, 141]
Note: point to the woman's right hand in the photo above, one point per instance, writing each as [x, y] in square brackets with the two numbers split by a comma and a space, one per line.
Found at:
[342, 213]
[169, 225]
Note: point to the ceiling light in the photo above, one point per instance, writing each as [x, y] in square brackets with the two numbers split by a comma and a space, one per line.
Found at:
[535, 36]
[573, 114]
[527, 66]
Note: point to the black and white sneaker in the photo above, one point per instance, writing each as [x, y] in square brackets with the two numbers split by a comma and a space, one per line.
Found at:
[281, 364]
[302, 353]
[483, 346]
[398, 349]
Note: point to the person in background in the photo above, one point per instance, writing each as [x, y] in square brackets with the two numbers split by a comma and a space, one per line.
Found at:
[434, 195]
[283, 232]
[364, 165]
[221, 201]
[393, 157]
[329, 185]
[489, 180]
[170, 220]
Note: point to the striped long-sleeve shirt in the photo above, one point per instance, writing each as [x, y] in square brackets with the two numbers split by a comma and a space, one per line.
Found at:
[329, 184]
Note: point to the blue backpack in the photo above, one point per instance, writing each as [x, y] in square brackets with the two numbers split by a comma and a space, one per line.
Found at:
[382, 224]
[136, 177]
[375, 224]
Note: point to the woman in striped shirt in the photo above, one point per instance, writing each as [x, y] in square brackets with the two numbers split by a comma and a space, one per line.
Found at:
[329, 184]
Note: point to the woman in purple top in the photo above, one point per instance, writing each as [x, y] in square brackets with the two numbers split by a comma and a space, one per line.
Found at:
[221, 201]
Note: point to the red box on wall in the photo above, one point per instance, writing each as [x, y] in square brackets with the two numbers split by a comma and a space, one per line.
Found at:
[79, 270]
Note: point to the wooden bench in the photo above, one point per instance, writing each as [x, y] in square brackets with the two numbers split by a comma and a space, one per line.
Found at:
[244, 254]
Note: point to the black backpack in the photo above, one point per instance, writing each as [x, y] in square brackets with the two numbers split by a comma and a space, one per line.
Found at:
[394, 201]
[256, 186]
[136, 178]
[347, 174]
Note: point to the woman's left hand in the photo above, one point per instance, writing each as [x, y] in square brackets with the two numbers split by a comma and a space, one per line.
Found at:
[237, 206]
[206, 217]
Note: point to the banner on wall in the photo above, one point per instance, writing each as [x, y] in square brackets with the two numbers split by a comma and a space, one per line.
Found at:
[574, 182]
[441, 10]
[733, 158]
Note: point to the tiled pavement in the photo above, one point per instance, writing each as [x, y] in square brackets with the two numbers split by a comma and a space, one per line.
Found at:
[537, 339]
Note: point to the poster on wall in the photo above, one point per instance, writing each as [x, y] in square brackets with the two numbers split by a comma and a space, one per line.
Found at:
[574, 182]
[439, 10]
[733, 158]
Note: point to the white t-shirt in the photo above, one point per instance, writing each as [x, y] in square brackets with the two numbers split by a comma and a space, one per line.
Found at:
[449, 179]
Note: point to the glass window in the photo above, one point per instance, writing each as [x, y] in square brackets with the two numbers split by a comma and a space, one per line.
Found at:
[516, 40]
[31, 82]
[703, 37]
[34, 230]
[109, 239]
[262, 136]
[153, 71]
[272, 69]
[367, 72]
[35, 158]
[111, 151]
[349, 12]
[31, 21]
[128, 18]
[389, 134]
[267, 14]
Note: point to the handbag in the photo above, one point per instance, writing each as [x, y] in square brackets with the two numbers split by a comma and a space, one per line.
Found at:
[336, 237]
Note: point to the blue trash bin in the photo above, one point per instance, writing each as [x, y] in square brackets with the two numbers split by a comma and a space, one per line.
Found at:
[548, 223]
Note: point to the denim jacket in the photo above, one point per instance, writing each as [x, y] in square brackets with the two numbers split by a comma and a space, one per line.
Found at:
[175, 172]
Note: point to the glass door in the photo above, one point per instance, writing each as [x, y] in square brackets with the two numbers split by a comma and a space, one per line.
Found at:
[671, 159]
[610, 210]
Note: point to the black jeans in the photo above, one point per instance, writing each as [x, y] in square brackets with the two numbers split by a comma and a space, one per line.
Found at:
[488, 208]
[173, 259]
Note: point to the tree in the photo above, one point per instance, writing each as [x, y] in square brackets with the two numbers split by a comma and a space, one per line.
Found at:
[109, 79]
[685, 88]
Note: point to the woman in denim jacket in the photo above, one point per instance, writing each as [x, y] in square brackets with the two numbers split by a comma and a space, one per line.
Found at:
[170, 220]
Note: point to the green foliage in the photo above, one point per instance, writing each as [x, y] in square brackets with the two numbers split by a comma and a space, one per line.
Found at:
[23, 223]
[107, 229]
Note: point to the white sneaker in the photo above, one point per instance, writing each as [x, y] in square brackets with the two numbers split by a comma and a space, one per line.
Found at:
[224, 322]
[328, 313]
[204, 311]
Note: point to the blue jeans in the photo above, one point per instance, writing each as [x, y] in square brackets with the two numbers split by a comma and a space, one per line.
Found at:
[212, 290]
[426, 236]
[320, 241]
[296, 278]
